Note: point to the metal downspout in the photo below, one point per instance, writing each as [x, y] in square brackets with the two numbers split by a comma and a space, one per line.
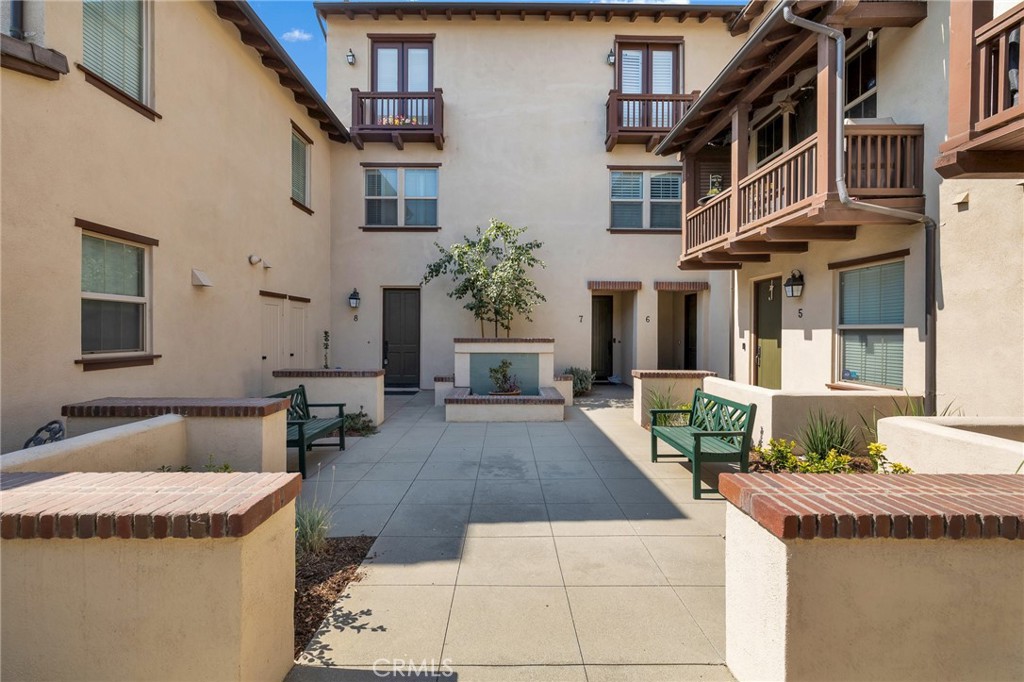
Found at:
[847, 200]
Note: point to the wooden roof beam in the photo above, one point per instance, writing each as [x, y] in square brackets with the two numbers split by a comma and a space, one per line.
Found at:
[740, 248]
[704, 16]
[658, 17]
[720, 257]
[633, 17]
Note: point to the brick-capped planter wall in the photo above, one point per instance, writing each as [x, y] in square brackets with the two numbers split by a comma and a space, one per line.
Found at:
[140, 504]
[920, 506]
[187, 407]
[671, 374]
[328, 373]
[503, 340]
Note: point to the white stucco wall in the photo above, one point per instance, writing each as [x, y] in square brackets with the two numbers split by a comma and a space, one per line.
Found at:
[955, 445]
[210, 181]
[525, 128]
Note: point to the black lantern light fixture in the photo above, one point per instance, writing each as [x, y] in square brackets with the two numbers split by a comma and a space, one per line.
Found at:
[611, 57]
[353, 299]
[350, 57]
[794, 285]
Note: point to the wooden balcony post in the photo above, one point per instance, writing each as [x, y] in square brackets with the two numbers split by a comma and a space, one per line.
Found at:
[740, 160]
[357, 109]
[825, 178]
[965, 69]
[690, 184]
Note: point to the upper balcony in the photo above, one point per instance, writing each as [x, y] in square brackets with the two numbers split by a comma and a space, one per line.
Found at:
[986, 126]
[397, 117]
[643, 119]
[785, 203]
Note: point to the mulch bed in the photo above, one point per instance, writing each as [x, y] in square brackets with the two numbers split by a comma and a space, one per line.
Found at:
[320, 580]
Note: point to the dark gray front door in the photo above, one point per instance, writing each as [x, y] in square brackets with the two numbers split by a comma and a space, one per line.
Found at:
[402, 337]
[690, 342]
[601, 336]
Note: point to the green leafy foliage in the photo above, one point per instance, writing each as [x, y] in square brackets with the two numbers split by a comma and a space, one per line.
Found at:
[582, 380]
[359, 424]
[657, 400]
[778, 456]
[503, 381]
[876, 451]
[826, 432]
[490, 273]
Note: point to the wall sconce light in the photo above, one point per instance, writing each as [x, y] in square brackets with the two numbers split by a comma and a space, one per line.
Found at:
[353, 299]
[350, 57]
[200, 279]
[267, 265]
[254, 259]
[794, 285]
[611, 57]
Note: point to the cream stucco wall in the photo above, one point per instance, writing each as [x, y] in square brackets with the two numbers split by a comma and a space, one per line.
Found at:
[144, 445]
[525, 127]
[210, 180]
[955, 445]
[981, 300]
[169, 609]
[871, 609]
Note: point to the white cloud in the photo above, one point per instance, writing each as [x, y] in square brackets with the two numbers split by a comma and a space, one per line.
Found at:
[296, 35]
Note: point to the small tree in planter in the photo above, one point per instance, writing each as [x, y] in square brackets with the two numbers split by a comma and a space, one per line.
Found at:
[491, 271]
[504, 382]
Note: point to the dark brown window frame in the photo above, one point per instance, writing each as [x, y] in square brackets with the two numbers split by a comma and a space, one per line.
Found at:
[93, 78]
[29, 58]
[115, 360]
[401, 41]
[623, 42]
[869, 260]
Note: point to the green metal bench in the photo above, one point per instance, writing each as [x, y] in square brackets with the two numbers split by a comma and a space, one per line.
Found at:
[719, 430]
[304, 428]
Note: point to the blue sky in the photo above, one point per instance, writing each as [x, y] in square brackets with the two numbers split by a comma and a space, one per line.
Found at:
[295, 25]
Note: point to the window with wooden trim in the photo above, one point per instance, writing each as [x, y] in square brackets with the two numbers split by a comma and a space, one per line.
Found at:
[114, 44]
[401, 197]
[646, 199]
[862, 82]
[300, 168]
[115, 295]
[870, 325]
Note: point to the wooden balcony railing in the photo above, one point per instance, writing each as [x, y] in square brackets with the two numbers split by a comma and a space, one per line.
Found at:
[642, 119]
[882, 162]
[788, 180]
[998, 44]
[885, 160]
[398, 117]
[709, 223]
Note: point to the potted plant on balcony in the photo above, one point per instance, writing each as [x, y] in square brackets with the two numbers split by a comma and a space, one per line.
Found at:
[504, 382]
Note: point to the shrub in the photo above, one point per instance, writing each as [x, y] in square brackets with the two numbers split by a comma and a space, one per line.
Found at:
[657, 400]
[359, 424]
[876, 452]
[831, 463]
[582, 380]
[913, 407]
[210, 466]
[778, 456]
[824, 433]
[312, 521]
[502, 380]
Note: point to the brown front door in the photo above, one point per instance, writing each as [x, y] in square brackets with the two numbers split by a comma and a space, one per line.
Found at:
[768, 327]
[601, 337]
[402, 337]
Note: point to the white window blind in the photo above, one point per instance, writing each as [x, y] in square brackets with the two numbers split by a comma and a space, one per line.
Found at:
[631, 72]
[406, 193]
[113, 43]
[627, 199]
[300, 167]
[659, 206]
[871, 324]
[113, 296]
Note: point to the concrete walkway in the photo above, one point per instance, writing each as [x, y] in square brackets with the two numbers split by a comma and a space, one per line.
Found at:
[522, 552]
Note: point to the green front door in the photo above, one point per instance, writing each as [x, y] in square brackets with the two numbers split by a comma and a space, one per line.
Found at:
[768, 327]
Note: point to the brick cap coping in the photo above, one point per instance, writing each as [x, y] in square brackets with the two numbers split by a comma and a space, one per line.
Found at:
[186, 407]
[514, 339]
[462, 396]
[672, 373]
[140, 504]
[681, 286]
[614, 285]
[920, 506]
[329, 373]
[445, 379]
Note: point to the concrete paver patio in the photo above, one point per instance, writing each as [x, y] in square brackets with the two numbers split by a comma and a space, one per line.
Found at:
[521, 551]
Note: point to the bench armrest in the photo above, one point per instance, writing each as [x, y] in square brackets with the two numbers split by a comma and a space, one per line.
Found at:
[718, 434]
[340, 406]
[686, 411]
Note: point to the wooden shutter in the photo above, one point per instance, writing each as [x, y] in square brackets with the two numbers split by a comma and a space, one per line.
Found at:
[299, 169]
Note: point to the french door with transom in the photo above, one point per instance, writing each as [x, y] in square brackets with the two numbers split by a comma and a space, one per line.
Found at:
[403, 67]
[646, 70]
